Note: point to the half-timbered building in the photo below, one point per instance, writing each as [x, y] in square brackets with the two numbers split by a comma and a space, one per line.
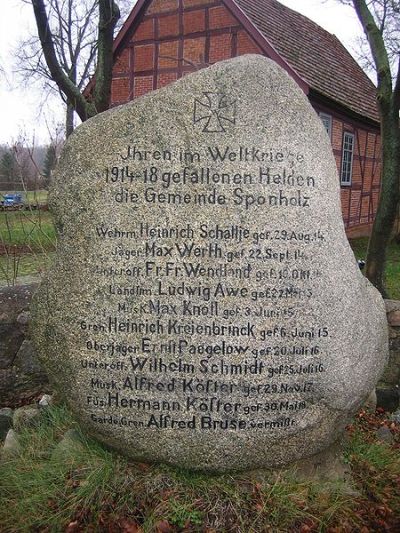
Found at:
[163, 40]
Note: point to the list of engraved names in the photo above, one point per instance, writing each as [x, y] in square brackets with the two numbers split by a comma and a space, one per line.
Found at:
[203, 325]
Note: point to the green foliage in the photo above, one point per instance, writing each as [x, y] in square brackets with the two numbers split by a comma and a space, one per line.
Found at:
[392, 272]
[45, 489]
[183, 514]
[49, 162]
[90, 488]
[8, 167]
[378, 455]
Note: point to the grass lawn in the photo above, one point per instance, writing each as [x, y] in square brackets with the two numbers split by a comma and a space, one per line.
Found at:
[359, 247]
[31, 197]
[27, 241]
[85, 487]
[31, 229]
[16, 266]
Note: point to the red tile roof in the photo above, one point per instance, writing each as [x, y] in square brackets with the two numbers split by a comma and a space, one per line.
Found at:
[315, 54]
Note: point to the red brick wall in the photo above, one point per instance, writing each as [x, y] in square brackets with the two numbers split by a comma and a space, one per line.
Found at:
[175, 37]
[360, 199]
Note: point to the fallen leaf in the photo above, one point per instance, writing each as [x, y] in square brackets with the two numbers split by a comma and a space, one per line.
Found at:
[130, 527]
[163, 527]
[143, 467]
[73, 527]
[167, 493]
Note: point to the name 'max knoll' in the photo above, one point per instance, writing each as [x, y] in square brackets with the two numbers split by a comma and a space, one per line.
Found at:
[204, 308]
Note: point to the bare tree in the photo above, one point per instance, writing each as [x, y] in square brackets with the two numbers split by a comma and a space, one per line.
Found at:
[18, 167]
[74, 30]
[380, 20]
[74, 38]
[389, 24]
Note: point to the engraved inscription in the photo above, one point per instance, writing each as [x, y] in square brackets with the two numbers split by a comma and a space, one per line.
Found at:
[198, 296]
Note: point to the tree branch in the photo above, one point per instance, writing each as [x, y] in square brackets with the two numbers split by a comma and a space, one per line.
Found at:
[85, 72]
[108, 17]
[396, 91]
[378, 50]
[383, 18]
[46, 38]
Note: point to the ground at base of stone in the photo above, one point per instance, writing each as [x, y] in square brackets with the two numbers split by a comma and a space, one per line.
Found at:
[58, 480]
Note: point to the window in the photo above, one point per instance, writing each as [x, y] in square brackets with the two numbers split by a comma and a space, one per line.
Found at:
[347, 158]
[327, 122]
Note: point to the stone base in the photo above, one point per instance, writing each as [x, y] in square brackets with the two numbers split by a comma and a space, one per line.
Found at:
[327, 465]
[371, 402]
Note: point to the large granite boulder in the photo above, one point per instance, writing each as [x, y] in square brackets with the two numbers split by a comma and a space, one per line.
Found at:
[205, 308]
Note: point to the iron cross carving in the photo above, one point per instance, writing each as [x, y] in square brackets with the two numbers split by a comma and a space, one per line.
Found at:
[215, 112]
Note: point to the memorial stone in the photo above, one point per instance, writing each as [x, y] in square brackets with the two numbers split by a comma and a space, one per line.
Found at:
[205, 308]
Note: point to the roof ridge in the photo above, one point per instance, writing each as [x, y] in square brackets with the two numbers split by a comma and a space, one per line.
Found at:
[317, 55]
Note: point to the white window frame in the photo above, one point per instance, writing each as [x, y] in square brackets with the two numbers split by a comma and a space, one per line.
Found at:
[327, 122]
[346, 171]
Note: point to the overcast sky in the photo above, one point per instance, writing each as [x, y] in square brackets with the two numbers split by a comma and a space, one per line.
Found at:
[25, 110]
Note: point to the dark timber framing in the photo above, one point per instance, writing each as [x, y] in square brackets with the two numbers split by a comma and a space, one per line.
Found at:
[359, 200]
